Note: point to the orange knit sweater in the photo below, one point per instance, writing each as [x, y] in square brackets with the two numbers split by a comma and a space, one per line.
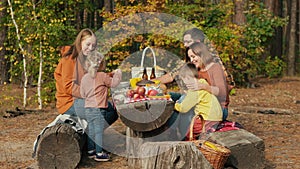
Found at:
[68, 75]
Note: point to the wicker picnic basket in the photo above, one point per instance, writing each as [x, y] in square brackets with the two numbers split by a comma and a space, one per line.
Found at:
[215, 154]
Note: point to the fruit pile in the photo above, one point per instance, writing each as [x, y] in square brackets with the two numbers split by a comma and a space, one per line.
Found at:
[141, 92]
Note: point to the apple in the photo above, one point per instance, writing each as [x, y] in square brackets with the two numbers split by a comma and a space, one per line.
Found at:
[152, 92]
[140, 90]
[136, 96]
[130, 93]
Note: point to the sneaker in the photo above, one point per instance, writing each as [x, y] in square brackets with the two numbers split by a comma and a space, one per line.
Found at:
[102, 157]
[91, 153]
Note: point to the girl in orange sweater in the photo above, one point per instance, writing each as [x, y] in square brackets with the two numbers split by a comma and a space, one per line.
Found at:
[69, 71]
[68, 75]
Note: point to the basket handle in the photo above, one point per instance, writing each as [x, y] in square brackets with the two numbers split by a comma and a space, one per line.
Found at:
[143, 55]
[192, 126]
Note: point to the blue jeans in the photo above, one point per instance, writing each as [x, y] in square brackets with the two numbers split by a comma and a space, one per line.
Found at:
[175, 96]
[71, 111]
[77, 109]
[95, 128]
[181, 121]
[110, 116]
[225, 113]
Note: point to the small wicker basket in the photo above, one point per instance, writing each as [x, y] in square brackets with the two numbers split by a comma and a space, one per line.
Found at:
[215, 154]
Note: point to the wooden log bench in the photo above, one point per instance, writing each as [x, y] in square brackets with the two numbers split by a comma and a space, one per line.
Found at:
[247, 150]
[59, 147]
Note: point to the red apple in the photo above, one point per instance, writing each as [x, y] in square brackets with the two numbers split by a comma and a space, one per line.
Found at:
[130, 93]
[152, 92]
[136, 96]
[140, 90]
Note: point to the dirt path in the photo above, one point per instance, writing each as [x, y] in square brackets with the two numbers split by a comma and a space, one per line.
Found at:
[270, 111]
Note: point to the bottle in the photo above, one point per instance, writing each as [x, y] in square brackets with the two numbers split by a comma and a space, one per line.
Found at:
[152, 76]
[145, 76]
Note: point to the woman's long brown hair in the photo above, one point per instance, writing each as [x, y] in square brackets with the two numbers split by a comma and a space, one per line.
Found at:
[75, 48]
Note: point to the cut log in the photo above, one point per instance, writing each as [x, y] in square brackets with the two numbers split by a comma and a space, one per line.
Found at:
[173, 155]
[247, 150]
[60, 147]
[145, 115]
[262, 110]
[134, 140]
[19, 112]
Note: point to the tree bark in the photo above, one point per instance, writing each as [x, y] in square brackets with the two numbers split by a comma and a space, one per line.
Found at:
[60, 147]
[3, 33]
[180, 154]
[297, 69]
[108, 5]
[276, 48]
[41, 60]
[239, 17]
[23, 54]
[292, 39]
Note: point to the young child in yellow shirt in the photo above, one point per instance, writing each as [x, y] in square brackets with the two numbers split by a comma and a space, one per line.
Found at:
[204, 103]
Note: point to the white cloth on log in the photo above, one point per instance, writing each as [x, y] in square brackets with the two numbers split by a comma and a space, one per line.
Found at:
[78, 124]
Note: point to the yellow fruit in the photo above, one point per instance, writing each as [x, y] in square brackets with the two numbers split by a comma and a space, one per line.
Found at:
[211, 145]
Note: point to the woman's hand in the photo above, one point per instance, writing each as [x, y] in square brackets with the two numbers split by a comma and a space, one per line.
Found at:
[202, 86]
[195, 85]
[164, 79]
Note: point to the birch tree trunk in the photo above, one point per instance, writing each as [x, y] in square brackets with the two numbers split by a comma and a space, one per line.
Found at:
[292, 39]
[41, 59]
[22, 51]
[40, 77]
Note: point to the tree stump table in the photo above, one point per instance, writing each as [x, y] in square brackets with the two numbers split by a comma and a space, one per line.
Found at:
[60, 147]
[144, 116]
[145, 121]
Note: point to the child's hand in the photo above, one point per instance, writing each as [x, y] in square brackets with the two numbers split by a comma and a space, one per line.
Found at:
[118, 71]
[110, 74]
[117, 74]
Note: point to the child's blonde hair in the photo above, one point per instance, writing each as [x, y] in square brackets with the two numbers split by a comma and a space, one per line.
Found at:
[95, 60]
[189, 69]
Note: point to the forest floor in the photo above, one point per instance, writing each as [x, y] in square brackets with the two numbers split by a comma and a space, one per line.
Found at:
[271, 111]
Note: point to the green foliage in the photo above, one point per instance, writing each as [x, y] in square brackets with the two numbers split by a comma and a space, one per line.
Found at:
[130, 40]
[274, 67]
[41, 31]
[241, 47]
[258, 33]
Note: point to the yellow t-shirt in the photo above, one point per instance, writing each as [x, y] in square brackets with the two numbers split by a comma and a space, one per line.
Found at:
[205, 103]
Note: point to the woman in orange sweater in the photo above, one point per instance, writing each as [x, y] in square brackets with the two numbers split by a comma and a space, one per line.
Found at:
[68, 75]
